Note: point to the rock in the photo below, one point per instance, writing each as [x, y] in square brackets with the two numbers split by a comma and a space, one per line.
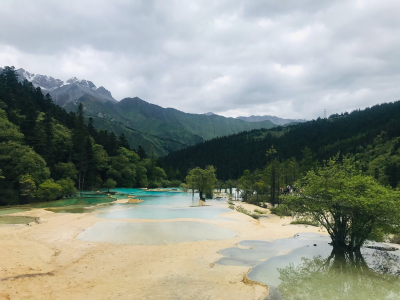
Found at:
[135, 200]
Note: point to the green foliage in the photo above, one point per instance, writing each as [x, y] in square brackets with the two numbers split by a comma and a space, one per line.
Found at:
[27, 186]
[354, 133]
[259, 211]
[305, 222]
[341, 275]
[67, 187]
[281, 210]
[240, 209]
[35, 133]
[8, 130]
[203, 180]
[184, 187]
[48, 190]
[64, 171]
[110, 184]
[351, 206]
[17, 159]
[230, 184]
[245, 184]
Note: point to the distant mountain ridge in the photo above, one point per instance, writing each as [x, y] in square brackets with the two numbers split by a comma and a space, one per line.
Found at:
[273, 119]
[143, 123]
[68, 91]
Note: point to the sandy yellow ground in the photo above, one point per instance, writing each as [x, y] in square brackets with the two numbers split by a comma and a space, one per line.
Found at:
[46, 261]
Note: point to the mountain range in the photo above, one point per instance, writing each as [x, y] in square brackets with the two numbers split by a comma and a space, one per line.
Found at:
[149, 125]
[273, 119]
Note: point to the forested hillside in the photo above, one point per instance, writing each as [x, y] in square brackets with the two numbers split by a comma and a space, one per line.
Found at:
[153, 127]
[166, 129]
[370, 135]
[48, 153]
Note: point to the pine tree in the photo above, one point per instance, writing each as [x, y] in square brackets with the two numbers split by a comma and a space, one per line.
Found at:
[91, 130]
[123, 142]
[141, 152]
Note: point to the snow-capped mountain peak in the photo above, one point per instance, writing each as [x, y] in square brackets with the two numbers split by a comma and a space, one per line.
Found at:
[64, 92]
[45, 82]
[83, 82]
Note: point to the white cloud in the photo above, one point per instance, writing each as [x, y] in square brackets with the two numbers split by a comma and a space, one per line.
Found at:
[290, 58]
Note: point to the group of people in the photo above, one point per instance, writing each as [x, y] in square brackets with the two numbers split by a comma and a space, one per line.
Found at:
[287, 190]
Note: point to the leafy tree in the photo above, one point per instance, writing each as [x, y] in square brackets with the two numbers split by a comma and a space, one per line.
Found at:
[245, 183]
[110, 184]
[67, 187]
[184, 187]
[175, 183]
[27, 186]
[125, 162]
[17, 160]
[9, 131]
[64, 171]
[202, 179]
[219, 184]
[48, 190]
[141, 176]
[352, 207]
[230, 184]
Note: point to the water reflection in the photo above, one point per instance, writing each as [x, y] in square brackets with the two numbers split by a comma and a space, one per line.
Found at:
[307, 267]
[341, 275]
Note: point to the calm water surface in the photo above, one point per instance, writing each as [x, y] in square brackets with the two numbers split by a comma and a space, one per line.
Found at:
[154, 233]
[307, 267]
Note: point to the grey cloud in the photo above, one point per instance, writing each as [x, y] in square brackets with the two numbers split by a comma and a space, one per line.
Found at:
[292, 58]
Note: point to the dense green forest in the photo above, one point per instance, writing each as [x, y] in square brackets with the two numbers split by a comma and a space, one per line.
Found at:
[48, 153]
[371, 135]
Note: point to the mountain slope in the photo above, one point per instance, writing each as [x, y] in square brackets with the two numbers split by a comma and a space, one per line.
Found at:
[142, 114]
[273, 119]
[354, 133]
[146, 124]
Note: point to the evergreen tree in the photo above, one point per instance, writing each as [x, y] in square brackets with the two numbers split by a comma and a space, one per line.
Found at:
[123, 142]
[91, 130]
[141, 152]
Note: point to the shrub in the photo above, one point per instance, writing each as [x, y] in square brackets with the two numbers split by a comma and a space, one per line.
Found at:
[246, 212]
[305, 222]
[67, 187]
[48, 190]
[282, 210]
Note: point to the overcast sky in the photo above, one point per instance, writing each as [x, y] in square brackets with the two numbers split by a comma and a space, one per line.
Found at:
[291, 58]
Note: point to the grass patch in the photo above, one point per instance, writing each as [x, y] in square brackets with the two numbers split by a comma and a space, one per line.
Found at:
[305, 222]
[259, 211]
[246, 212]
[282, 211]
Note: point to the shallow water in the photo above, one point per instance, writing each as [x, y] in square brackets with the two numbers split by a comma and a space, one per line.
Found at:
[306, 267]
[158, 233]
[16, 220]
[164, 205]
[12, 210]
